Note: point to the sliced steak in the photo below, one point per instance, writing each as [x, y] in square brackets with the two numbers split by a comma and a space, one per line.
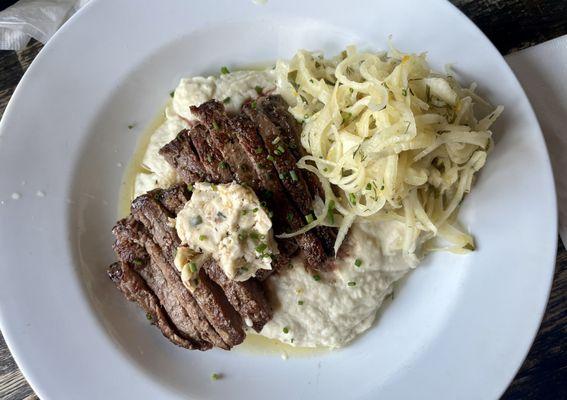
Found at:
[210, 157]
[135, 289]
[282, 159]
[275, 109]
[182, 156]
[174, 198]
[246, 297]
[219, 313]
[132, 239]
[245, 164]
[221, 137]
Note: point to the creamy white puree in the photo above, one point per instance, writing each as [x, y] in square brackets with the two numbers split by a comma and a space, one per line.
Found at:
[342, 304]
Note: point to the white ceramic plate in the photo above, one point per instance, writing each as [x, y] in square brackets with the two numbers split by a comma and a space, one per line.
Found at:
[459, 327]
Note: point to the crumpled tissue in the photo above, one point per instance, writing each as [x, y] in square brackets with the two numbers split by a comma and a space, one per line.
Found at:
[38, 19]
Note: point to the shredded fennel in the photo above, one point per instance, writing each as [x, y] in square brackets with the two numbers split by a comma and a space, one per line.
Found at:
[388, 138]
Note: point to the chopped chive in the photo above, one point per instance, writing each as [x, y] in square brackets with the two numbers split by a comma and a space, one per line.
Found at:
[224, 70]
[244, 212]
[216, 377]
[331, 212]
[242, 235]
[270, 157]
[358, 262]
[137, 261]
[352, 198]
[289, 217]
[214, 187]
[202, 237]
[282, 176]
[285, 329]
[210, 158]
[281, 149]
[226, 100]
[276, 140]
[253, 105]
[148, 316]
[259, 149]
[293, 175]
[369, 186]
[254, 235]
[171, 93]
[382, 187]
[196, 220]
[190, 187]
[325, 169]
[309, 218]
[404, 92]
[317, 278]
[223, 165]
[351, 90]
[221, 215]
[259, 89]
[255, 210]
[351, 283]
[261, 247]
[300, 302]
[192, 267]
[215, 125]
[131, 126]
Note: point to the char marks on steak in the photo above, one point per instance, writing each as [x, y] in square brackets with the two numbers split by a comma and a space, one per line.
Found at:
[131, 284]
[211, 315]
[219, 313]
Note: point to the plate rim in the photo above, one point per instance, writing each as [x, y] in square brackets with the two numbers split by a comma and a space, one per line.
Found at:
[10, 338]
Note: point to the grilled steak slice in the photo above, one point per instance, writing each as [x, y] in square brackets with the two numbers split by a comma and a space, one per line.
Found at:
[221, 137]
[132, 240]
[173, 199]
[136, 290]
[246, 297]
[220, 314]
[219, 311]
[248, 171]
[275, 109]
[210, 157]
[183, 157]
[282, 159]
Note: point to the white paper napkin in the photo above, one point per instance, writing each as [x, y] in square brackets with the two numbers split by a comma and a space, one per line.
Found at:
[542, 71]
[39, 19]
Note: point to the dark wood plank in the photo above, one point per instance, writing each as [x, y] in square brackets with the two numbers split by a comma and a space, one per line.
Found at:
[511, 25]
[516, 24]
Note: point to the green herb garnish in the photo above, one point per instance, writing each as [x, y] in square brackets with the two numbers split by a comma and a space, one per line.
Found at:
[351, 283]
[358, 262]
[293, 175]
[224, 70]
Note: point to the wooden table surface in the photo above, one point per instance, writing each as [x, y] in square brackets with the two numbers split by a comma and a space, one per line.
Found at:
[511, 25]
